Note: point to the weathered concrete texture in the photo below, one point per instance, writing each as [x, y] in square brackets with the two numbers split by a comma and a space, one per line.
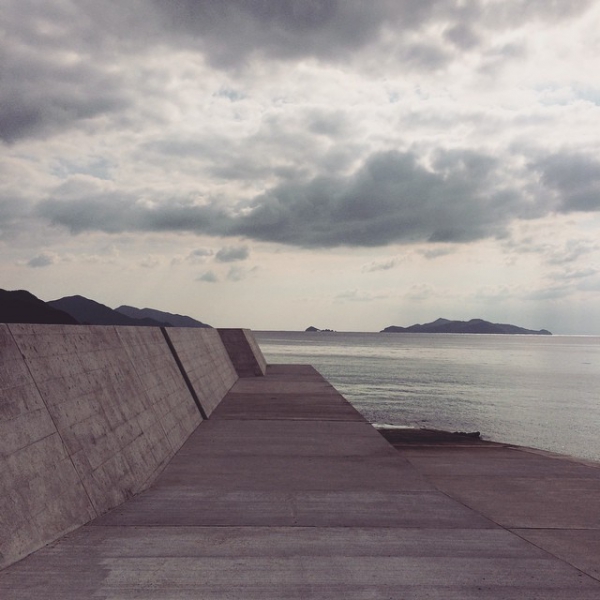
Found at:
[294, 438]
[274, 563]
[206, 363]
[579, 547]
[41, 494]
[112, 422]
[301, 395]
[161, 382]
[300, 508]
[244, 352]
[516, 489]
[90, 416]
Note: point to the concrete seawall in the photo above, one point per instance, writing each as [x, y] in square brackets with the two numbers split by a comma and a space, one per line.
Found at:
[90, 415]
[288, 493]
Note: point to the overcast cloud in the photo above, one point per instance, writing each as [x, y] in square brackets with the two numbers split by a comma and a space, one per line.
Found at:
[306, 139]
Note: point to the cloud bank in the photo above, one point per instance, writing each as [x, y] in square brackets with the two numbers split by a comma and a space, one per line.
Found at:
[461, 197]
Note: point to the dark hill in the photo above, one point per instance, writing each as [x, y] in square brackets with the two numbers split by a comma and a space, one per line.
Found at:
[91, 312]
[159, 315]
[20, 306]
[472, 326]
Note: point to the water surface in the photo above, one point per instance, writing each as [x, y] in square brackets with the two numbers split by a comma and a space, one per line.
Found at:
[538, 391]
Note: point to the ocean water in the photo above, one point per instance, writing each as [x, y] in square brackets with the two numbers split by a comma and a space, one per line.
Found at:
[536, 391]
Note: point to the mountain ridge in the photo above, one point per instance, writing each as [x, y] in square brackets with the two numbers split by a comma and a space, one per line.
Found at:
[21, 306]
[173, 319]
[90, 312]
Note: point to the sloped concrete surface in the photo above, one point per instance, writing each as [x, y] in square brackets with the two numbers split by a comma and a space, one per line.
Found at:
[205, 362]
[89, 416]
[244, 352]
[309, 507]
[33, 459]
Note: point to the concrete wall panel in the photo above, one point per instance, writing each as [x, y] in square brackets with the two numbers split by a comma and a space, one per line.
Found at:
[244, 352]
[256, 351]
[41, 495]
[164, 386]
[89, 416]
[206, 363]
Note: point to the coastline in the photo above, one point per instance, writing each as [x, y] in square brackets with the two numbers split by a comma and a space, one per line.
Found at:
[406, 437]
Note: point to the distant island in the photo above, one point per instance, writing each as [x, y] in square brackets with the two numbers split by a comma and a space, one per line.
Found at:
[472, 326]
[313, 329]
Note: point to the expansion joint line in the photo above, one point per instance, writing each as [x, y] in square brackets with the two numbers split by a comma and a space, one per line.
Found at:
[188, 383]
[510, 530]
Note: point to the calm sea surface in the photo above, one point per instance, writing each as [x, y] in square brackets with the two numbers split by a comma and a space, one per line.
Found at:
[538, 391]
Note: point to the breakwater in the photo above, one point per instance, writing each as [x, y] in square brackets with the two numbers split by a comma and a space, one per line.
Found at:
[90, 415]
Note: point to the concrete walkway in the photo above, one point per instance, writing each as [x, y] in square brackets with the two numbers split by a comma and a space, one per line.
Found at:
[287, 493]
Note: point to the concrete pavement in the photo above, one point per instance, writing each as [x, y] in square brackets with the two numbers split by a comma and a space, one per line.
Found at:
[286, 492]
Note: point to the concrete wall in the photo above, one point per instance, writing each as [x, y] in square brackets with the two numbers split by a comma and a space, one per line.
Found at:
[244, 352]
[90, 415]
[206, 363]
[41, 494]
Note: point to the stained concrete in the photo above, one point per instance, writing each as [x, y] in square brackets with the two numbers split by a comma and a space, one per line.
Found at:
[309, 507]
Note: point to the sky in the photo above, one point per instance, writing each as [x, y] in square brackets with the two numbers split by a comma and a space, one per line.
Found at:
[277, 164]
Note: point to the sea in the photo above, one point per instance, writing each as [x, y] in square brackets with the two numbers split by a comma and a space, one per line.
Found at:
[536, 391]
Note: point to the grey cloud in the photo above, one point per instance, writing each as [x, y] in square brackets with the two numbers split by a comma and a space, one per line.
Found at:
[275, 149]
[58, 68]
[52, 107]
[116, 213]
[232, 31]
[421, 56]
[238, 273]
[574, 274]
[463, 36]
[575, 178]
[199, 255]
[12, 208]
[380, 266]
[232, 254]
[434, 253]
[392, 198]
[504, 14]
[14, 214]
[53, 74]
[208, 277]
[41, 260]
[571, 252]
[589, 284]
[328, 123]
[460, 198]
